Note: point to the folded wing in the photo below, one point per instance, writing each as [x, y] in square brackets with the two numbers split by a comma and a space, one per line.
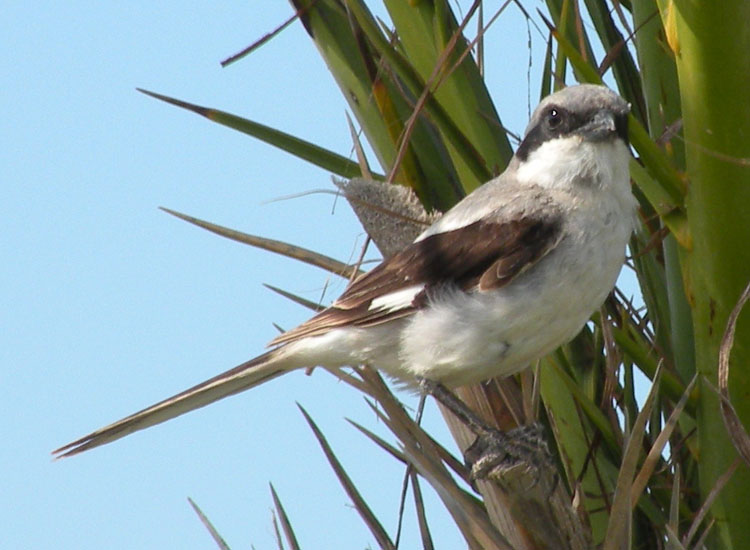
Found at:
[480, 257]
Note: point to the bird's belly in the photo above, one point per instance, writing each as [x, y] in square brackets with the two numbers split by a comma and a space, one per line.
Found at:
[459, 341]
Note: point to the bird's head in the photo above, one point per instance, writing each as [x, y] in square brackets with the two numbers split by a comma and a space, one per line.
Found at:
[583, 113]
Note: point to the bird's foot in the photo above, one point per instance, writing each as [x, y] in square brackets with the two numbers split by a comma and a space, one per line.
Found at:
[495, 453]
[498, 454]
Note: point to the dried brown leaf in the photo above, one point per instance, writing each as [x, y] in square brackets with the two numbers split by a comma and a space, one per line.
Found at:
[284, 519]
[470, 517]
[372, 522]
[706, 506]
[654, 454]
[379, 441]
[279, 247]
[620, 517]
[309, 304]
[737, 433]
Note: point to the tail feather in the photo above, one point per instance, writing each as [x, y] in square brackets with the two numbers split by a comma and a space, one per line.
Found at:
[242, 377]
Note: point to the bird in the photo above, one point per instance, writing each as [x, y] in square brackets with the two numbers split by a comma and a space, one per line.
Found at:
[511, 272]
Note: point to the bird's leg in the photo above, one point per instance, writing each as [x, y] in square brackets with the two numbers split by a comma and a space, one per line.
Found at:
[459, 409]
[493, 450]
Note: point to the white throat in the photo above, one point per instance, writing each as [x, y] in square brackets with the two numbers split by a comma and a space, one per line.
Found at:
[570, 163]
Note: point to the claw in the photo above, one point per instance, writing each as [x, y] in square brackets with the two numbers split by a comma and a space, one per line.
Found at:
[498, 453]
[495, 453]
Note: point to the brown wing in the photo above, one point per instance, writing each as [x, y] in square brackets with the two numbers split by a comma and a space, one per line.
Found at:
[482, 256]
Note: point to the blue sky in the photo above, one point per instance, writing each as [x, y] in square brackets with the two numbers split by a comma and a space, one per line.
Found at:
[109, 305]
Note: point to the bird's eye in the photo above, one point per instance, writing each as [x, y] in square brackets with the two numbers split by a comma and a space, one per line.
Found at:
[554, 118]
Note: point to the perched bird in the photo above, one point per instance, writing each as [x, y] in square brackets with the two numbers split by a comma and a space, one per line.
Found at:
[504, 277]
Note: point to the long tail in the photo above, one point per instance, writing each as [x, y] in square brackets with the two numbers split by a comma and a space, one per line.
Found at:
[242, 377]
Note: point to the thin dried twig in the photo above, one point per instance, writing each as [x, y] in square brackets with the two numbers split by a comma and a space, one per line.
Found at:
[439, 74]
[402, 500]
[266, 37]
[424, 528]
[358, 149]
[432, 83]
[699, 544]
[674, 504]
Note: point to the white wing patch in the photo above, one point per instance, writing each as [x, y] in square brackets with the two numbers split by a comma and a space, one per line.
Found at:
[394, 301]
